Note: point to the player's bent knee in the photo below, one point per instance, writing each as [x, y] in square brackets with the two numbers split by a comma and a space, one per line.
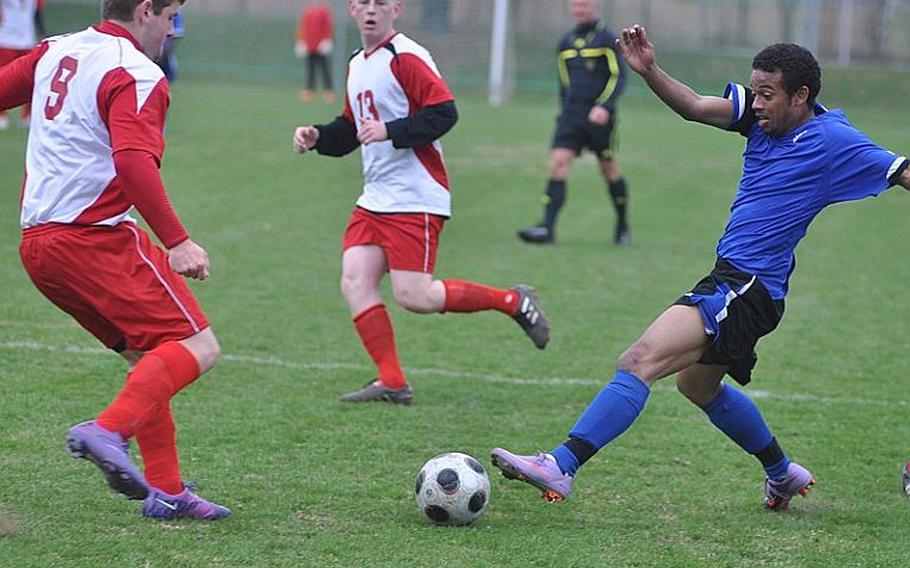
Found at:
[354, 288]
[686, 388]
[205, 348]
[635, 360]
[411, 300]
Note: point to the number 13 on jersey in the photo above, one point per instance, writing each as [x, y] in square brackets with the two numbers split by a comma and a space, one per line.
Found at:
[367, 104]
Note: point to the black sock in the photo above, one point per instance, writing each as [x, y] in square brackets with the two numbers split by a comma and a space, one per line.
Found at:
[771, 454]
[583, 450]
[620, 196]
[553, 201]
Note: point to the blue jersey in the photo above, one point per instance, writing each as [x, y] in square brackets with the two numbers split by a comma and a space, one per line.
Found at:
[788, 180]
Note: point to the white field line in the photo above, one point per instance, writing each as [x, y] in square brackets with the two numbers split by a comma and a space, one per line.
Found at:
[269, 361]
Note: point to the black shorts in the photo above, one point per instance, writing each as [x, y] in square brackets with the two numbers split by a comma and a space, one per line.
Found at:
[576, 133]
[737, 310]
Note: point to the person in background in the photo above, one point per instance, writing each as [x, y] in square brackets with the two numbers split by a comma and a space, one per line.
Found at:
[591, 79]
[314, 43]
[21, 26]
[168, 59]
[397, 107]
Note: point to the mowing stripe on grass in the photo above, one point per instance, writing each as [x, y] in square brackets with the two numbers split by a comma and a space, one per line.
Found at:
[260, 361]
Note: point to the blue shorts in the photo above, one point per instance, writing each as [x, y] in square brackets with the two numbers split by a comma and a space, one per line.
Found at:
[737, 311]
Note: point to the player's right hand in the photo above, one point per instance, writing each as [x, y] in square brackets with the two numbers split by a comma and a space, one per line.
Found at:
[305, 138]
[190, 260]
[636, 48]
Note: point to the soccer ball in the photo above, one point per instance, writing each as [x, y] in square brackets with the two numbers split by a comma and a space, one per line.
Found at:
[452, 489]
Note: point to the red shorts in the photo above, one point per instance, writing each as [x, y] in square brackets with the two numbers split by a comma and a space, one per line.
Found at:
[114, 281]
[409, 240]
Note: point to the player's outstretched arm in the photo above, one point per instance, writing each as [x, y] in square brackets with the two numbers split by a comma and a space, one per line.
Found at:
[640, 55]
[337, 138]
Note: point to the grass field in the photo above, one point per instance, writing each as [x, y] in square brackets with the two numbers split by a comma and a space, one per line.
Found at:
[314, 482]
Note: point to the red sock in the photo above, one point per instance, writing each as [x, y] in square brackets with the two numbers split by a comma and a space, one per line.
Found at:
[159, 375]
[466, 297]
[375, 330]
[157, 440]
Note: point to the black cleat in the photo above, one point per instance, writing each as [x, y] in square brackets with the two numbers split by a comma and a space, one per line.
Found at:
[622, 236]
[375, 391]
[530, 317]
[539, 234]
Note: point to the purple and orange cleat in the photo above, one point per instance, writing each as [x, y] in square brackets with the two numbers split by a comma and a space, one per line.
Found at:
[187, 505]
[110, 452]
[539, 470]
[797, 482]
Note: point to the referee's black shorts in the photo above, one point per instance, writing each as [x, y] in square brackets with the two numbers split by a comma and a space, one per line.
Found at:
[737, 310]
[575, 132]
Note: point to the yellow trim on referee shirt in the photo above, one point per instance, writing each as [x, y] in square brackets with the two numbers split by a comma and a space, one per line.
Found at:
[613, 63]
[561, 59]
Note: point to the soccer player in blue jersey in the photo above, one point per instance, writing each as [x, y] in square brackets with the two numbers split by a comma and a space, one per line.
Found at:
[799, 158]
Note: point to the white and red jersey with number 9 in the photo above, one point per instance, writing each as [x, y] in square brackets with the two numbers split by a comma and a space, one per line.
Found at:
[394, 81]
[95, 93]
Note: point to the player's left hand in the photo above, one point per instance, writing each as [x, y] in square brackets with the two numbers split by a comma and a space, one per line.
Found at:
[599, 115]
[190, 260]
[305, 138]
[372, 131]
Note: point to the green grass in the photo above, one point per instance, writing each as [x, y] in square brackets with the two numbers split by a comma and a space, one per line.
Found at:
[316, 483]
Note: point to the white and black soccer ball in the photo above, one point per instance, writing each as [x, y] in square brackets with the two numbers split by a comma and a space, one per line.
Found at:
[452, 489]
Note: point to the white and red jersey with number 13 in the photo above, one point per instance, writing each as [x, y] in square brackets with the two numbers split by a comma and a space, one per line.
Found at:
[95, 93]
[394, 81]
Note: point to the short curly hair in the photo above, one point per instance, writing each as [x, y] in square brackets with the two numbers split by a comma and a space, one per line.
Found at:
[122, 10]
[797, 66]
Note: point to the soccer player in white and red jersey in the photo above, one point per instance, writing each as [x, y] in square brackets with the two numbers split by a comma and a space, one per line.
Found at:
[396, 108]
[21, 25]
[93, 154]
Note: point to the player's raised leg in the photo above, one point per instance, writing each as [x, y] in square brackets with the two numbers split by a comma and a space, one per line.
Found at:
[673, 342]
[734, 414]
[419, 292]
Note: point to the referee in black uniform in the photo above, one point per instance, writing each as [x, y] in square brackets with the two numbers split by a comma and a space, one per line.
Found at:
[591, 77]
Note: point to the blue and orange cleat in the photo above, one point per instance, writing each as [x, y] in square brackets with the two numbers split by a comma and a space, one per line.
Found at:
[110, 452]
[539, 470]
[187, 505]
[798, 481]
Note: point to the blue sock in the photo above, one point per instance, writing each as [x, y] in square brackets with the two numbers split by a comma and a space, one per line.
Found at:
[610, 414]
[737, 416]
